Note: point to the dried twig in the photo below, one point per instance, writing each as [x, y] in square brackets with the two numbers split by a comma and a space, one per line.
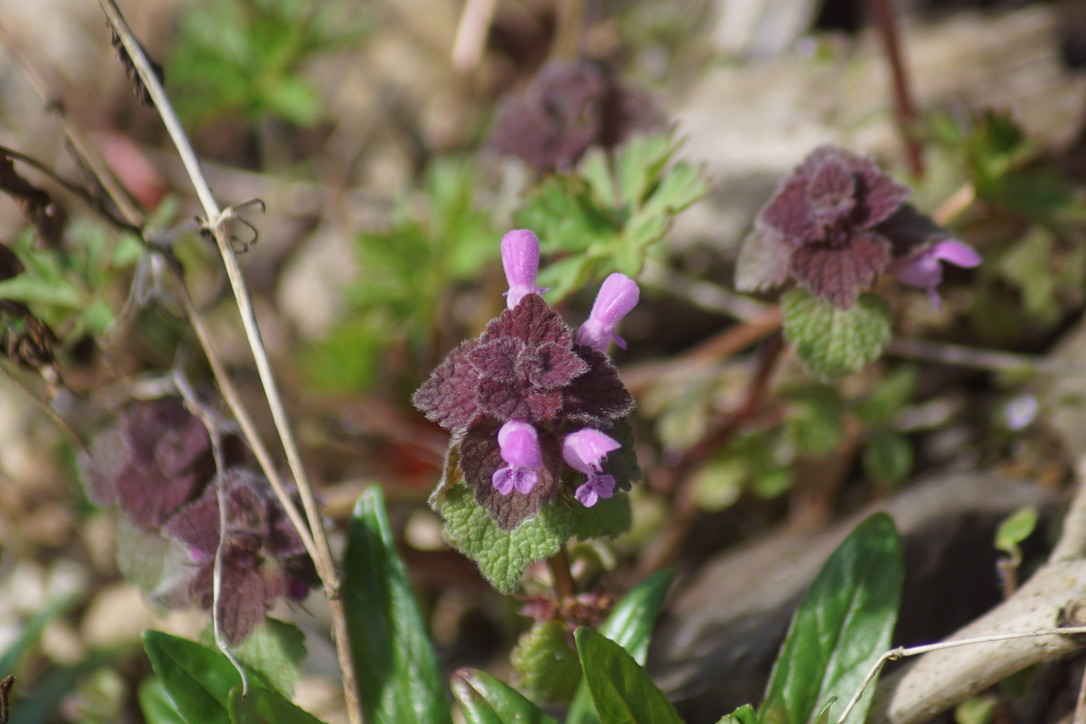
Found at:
[1021, 625]
[216, 222]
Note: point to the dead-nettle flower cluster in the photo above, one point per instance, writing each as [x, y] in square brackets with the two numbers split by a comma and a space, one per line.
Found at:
[836, 224]
[530, 403]
[155, 463]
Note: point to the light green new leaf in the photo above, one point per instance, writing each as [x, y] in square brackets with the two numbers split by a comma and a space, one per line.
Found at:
[264, 706]
[486, 700]
[621, 690]
[398, 677]
[630, 626]
[743, 715]
[841, 628]
[834, 342]
[197, 678]
[1015, 529]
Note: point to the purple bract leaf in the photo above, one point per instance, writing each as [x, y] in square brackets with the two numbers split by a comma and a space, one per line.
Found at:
[262, 558]
[837, 274]
[821, 228]
[149, 463]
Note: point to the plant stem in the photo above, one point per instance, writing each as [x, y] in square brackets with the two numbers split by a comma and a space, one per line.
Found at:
[904, 104]
[216, 222]
[564, 585]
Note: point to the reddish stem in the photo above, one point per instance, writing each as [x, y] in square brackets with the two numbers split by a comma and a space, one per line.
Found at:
[904, 103]
[686, 507]
[564, 585]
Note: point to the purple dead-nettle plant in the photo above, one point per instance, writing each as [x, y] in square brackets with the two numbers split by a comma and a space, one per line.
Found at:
[263, 558]
[156, 465]
[569, 106]
[836, 224]
[528, 395]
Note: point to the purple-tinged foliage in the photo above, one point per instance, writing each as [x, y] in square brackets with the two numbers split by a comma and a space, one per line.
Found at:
[834, 226]
[569, 106]
[512, 395]
[520, 258]
[155, 464]
[153, 460]
[263, 558]
[617, 296]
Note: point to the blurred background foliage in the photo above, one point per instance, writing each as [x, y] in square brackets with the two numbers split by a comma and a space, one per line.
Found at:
[378, 253]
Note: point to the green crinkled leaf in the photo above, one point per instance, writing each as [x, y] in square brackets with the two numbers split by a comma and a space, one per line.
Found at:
[156, 705]
[841, 628]
[197, 678]
[501, 555]
[629, 625]
[621, 689]
[274, 651]
[398, 676]
[264, 706]
[546, 664]
[486, 700]
[835, 342]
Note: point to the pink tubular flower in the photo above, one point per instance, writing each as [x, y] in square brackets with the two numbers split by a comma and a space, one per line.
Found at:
[617, 296]
[924, 270]
[518, 443]
[520, 257]
[584, 451]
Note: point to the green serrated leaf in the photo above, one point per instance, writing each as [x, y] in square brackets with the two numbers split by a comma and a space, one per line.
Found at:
[274, 652]
[1015, 529]
[197, 678]
[398, 676]
[265, 706]
[630, 626]
[743, 715]
[486, 700]
[841, 628]
[835, 342]
[501, 555]
[621, 690]
[546, 664]
[156, 705]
